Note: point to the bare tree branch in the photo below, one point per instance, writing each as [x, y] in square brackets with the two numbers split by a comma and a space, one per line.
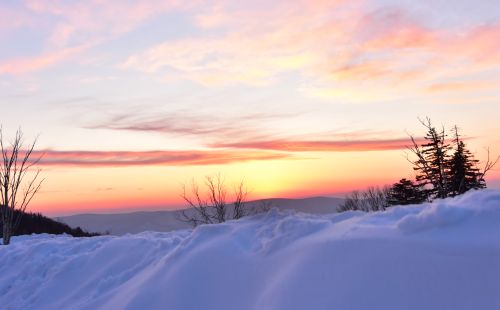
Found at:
[489, 164]
[214, 208]
[240, 194]
[15, 166]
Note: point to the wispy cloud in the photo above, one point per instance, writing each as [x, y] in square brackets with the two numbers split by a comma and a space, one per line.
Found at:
[148, 158]
[36, 63]
[393, 28]
[332, 45]
[72, 27]
[81, 21]
[344, 47]
[251, 131]
[463, 86]
[208, 127]
[320, 146]
[11, 19]
[256, 46]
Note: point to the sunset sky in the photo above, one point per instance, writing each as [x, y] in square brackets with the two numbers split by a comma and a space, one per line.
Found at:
[131, 99]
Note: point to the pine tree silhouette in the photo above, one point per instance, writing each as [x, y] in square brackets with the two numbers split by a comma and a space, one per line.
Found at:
[432, 161]
[406, 192]
[463, 173]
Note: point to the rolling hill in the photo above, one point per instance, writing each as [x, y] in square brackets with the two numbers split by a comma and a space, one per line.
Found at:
[135, 222]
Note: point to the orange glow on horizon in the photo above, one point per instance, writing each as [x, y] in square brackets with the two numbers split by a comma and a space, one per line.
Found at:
[157, 187]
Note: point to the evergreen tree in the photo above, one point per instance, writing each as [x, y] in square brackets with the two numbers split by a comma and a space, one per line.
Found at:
[463, 172]
[406, 192]
[431, 163]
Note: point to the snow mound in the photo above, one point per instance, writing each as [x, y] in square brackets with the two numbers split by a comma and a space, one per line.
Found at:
[443, 255]
[450, 211]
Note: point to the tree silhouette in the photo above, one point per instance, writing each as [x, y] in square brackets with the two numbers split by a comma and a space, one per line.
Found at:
[406, 192]
[431, 160]
[439, 174]
[371, 199]
[214, 208]
[463, 172]
[16, 190]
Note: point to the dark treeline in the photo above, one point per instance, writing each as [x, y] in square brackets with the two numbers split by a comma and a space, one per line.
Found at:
[36, 223]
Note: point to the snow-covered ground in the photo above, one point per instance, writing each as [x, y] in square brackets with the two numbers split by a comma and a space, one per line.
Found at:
[444, 255]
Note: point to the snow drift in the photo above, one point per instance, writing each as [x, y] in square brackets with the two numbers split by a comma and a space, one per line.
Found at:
[444, 255]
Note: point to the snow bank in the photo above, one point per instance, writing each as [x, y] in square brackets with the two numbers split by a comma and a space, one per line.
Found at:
[444, 255]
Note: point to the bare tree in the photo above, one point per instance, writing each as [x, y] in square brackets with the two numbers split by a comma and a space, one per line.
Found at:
[214, 207]
[217, 196]
[372, 199]
[376, 198]
[18, 182]
[263, 206]
[240, 195]
[488, 164]
[352, 202]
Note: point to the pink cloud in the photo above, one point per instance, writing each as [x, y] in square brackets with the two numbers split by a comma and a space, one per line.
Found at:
[363, 70]
[84, 20]
[283, 36]
[36, 63]
[463, 86]
[73, 26]
[393, 28]
[145, 158]
[321, 146]
[480, 44]
[11, 19]
[341, 41]
[325, 42]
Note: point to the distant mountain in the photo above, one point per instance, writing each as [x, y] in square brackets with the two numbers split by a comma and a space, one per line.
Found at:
[124, 223]
[135, 222]
[314, 205]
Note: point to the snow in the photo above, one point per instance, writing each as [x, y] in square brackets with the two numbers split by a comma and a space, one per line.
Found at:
[443, 255]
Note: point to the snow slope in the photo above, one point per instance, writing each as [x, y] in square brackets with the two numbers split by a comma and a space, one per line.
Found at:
[444, 255]
[135, 222]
